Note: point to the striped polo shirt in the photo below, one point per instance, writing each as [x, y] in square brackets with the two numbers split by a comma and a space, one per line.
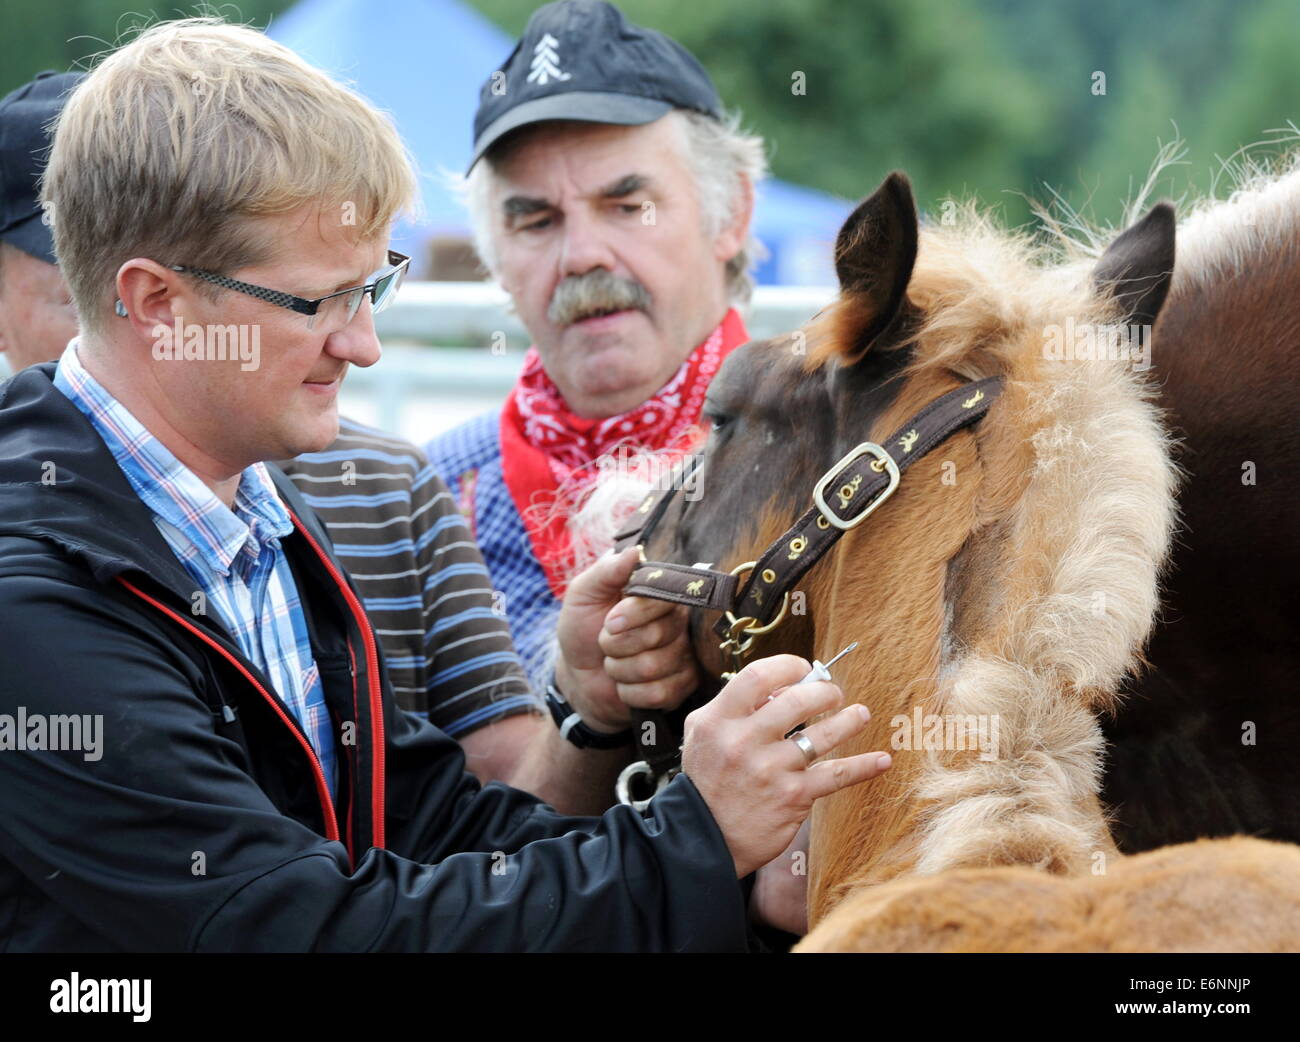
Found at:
[468, 459]
[399, 534]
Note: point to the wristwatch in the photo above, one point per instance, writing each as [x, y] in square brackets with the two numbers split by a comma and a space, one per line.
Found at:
[572, 728]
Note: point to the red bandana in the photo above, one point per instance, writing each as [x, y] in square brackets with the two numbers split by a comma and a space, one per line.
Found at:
[545, 447]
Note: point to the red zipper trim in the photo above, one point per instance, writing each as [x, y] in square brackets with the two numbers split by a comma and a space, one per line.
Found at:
[372, 675]
[322, 789]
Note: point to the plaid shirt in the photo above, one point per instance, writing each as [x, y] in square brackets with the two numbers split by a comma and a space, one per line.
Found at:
[234, 557]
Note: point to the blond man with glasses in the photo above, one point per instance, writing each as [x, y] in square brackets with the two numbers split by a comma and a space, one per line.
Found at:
[199, 748]
[395, 526]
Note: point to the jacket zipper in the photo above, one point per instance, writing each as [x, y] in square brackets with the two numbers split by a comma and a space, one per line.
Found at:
[353, 752]
[372, 677]
[318, 772]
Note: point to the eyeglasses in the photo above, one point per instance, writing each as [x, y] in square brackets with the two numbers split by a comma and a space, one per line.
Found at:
[336, 309]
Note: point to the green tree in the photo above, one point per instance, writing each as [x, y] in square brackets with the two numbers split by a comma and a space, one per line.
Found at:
[40, 35]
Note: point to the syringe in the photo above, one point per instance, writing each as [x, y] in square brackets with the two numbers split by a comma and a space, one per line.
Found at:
[820, 671]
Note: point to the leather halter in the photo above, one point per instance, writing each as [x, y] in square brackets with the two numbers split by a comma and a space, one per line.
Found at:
[754, 597]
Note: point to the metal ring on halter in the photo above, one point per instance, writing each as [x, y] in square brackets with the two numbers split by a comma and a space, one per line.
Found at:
[623, 787]
[805, 746]
[733, 642]
[757, 630]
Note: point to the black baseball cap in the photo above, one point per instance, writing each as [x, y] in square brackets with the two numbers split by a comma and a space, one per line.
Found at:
[25, 117]
[581, 59]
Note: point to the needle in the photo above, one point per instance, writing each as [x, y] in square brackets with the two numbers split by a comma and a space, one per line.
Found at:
[820, 671]
[823, 672]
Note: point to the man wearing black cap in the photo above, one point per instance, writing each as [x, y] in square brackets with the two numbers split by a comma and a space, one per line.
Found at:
[611, 197]
[37, 318]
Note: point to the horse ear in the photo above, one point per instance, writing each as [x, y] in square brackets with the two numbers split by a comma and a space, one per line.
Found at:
[1139, 265]
[874, 255]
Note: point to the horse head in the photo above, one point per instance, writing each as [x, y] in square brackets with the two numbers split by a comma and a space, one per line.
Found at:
[1008, 584]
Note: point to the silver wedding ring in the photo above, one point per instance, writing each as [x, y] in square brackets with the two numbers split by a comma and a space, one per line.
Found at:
[805, 746]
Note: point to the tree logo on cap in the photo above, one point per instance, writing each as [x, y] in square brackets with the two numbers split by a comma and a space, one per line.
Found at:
[546, 62]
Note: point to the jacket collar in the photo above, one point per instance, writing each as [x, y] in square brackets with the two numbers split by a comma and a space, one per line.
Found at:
[62, 485]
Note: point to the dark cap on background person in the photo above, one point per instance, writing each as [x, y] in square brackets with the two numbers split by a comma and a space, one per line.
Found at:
[25, 117]
[582, 60]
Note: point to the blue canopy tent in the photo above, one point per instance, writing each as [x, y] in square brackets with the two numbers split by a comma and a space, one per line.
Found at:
[422, 61]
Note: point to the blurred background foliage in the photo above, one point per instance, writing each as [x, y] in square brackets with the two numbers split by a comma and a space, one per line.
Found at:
[991, 98]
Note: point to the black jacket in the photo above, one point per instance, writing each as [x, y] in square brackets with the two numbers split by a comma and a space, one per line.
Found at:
[205, 824]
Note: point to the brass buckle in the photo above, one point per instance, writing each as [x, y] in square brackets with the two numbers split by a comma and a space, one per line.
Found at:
[733, 642]
[886, 461]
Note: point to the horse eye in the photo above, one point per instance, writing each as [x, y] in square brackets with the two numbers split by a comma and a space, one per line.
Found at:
[716, 419]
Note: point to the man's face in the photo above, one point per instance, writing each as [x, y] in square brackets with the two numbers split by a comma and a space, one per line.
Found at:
[289, 403]
[37, 318]
[573, 199]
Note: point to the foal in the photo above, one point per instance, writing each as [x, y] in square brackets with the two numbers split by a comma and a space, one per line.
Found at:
[1008, 585]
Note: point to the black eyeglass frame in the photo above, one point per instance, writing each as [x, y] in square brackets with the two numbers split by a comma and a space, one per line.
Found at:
[396, 269]
[397, 265]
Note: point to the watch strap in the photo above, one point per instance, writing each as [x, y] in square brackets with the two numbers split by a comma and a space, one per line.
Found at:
[573, 729]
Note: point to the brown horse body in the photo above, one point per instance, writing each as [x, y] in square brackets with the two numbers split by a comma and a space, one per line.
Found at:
[1007, 587]
[1194, 897]
[1205, 743]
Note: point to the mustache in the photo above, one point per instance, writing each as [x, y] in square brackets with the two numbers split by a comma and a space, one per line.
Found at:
[594, 293]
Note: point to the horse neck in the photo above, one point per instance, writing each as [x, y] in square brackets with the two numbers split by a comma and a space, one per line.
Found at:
[1226, 347]
[884, 588]
[919, 592]
[868, 833]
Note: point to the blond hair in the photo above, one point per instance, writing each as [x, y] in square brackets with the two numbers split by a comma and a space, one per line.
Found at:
[178, 138]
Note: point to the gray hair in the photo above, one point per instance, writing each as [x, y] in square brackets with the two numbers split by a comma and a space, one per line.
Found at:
[719, 152]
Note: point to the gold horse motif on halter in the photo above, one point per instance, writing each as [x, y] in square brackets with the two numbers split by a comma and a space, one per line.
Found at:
[847, 491]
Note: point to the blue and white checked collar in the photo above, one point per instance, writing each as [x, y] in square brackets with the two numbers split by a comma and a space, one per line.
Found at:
[222, 538]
